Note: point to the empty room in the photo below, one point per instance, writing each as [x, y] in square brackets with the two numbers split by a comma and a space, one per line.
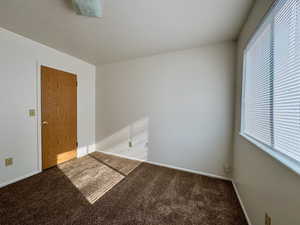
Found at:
[150, 112]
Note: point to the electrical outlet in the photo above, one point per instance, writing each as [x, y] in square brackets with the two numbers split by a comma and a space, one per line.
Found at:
[267, 219]
[8, 162]
[130, 144]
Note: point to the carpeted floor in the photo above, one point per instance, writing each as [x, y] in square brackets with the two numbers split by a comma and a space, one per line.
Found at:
[105, 190]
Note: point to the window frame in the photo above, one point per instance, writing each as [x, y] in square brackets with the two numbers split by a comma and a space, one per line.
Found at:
[268, 19]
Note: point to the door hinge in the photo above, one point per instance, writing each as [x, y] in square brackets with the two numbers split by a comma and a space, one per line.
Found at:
[76, 83]
[76, 144]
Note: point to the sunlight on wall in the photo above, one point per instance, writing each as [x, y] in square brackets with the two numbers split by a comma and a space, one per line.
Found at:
[130, 141]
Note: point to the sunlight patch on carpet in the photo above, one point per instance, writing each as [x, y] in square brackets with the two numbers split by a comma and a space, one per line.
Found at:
[93, 178]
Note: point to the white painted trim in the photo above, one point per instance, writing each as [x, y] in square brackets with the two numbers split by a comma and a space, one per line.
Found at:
[241, 203]
[287, 161]
[171, 167]
[119, 155]
[190, 171]
[18, 179]
[39, 115]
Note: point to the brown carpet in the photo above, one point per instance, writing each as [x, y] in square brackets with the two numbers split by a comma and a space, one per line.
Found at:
[77, 193]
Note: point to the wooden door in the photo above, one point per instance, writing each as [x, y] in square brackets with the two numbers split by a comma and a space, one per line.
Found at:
[59, 116]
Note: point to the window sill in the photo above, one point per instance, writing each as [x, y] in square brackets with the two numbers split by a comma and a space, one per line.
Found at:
[285, 160]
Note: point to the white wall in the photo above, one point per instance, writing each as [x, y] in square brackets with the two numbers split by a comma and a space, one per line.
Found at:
[265, 185]
[188, 98]
[18, 93]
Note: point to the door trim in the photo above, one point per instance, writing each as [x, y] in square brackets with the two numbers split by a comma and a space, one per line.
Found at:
[39, 110]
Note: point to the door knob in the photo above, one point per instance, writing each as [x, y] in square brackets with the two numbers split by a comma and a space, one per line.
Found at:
[45, 123]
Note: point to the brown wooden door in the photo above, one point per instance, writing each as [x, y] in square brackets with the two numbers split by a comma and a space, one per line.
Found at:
[59, 116]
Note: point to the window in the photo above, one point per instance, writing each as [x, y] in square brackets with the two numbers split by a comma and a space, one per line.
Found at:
[271, 84]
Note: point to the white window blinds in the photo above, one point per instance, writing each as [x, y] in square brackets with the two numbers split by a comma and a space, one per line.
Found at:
[271, 95]
[287, 80]
[257, 90]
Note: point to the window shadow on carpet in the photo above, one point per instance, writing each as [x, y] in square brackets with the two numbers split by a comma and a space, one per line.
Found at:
[97, 173]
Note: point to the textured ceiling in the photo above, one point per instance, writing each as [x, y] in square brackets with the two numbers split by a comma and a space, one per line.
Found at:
[128, 29]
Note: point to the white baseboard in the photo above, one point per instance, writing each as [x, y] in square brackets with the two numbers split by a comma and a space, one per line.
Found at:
[241, 203]
[171, 167]
[189, 170]
[19, 178]
[119, 155]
